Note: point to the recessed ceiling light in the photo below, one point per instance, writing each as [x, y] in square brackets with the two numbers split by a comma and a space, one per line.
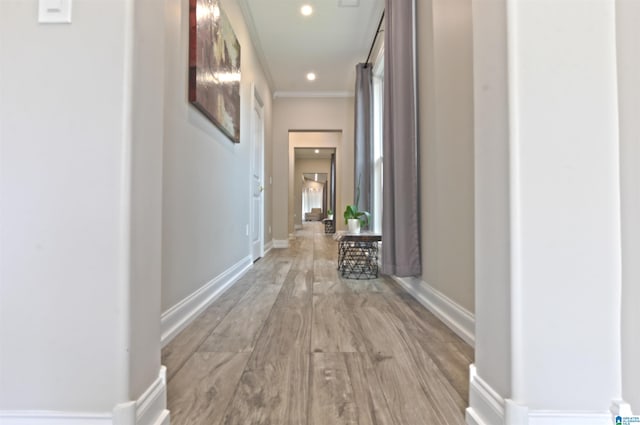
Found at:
[306, 10]
[311, 76]
[317, 151]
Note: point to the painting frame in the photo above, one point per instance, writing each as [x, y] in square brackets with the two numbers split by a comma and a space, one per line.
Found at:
[214, 67]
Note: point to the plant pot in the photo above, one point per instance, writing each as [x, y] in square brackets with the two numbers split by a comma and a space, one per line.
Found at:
[353, 225]
[330, 216]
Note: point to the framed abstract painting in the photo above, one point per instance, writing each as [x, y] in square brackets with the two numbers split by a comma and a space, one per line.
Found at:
[214, 66]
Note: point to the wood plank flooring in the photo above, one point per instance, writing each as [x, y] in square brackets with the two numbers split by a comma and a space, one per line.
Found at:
[292, 343]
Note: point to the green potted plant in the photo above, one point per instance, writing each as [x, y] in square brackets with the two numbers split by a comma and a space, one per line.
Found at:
[330, 214]
[353, 217]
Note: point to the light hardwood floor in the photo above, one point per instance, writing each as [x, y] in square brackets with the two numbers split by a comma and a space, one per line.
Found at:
[292, 343]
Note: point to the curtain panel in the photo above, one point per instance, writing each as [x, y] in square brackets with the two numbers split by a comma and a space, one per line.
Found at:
[363, 155]
[401, 201]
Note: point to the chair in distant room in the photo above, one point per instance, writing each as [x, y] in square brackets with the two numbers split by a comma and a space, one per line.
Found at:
[314, 215]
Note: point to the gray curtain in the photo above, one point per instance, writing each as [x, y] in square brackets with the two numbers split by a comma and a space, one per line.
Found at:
[332, 176]
[325, 197]
[401, 202]
[363, 174]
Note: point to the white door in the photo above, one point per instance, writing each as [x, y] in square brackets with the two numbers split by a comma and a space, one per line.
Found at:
[257, 181]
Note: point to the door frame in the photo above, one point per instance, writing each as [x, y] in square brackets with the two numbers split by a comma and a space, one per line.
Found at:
[257, 105]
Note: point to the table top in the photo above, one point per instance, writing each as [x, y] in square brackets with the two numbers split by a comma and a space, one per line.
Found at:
[361, 237]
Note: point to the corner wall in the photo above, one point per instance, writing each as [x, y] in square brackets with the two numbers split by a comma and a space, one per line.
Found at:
[492, 196]
[445, 108]
[147, 60]
[81, 144]
[63, 273]
[547, 214]
[628, 16]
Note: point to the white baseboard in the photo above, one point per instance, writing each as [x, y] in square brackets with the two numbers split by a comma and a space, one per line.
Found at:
[620, 408]
[542, 417]
[486, 406]
[268, 247]
[277, 243]
[149, 409]
[42, 417]
[457, 318]
[180, 315]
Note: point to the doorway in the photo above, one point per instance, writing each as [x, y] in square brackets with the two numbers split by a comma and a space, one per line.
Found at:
[315, 196]
[312, 184]
[303, 145]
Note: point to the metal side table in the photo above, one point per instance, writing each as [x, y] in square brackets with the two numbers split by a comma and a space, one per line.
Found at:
[358, 255]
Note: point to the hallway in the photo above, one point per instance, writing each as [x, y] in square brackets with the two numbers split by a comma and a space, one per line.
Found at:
[293, 343]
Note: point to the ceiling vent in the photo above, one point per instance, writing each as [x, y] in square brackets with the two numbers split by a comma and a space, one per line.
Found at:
[348, 3]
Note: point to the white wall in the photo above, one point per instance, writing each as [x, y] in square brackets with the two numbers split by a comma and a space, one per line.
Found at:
[309, 114]
[567, 246]
[445, 84]
[80, 161]
[628, 16]
[206, 176]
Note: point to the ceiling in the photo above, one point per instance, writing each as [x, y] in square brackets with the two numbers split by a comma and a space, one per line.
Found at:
[329, 43]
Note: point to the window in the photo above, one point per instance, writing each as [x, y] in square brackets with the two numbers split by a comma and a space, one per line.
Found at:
[378, 102]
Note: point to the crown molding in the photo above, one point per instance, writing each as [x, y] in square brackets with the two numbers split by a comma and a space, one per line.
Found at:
[255, 40]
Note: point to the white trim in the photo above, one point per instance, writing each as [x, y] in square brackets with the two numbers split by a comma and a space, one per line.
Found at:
[125, 211]
[550, 417]
[313, 94]
[180, 315]
[267, 247]
[44, 417]
[378, 64]
[486, 406]
[149, 409]
[281, 243]
[620, 408]
[515, 200]
[257, 107]
[456, 317]
[471, 417]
